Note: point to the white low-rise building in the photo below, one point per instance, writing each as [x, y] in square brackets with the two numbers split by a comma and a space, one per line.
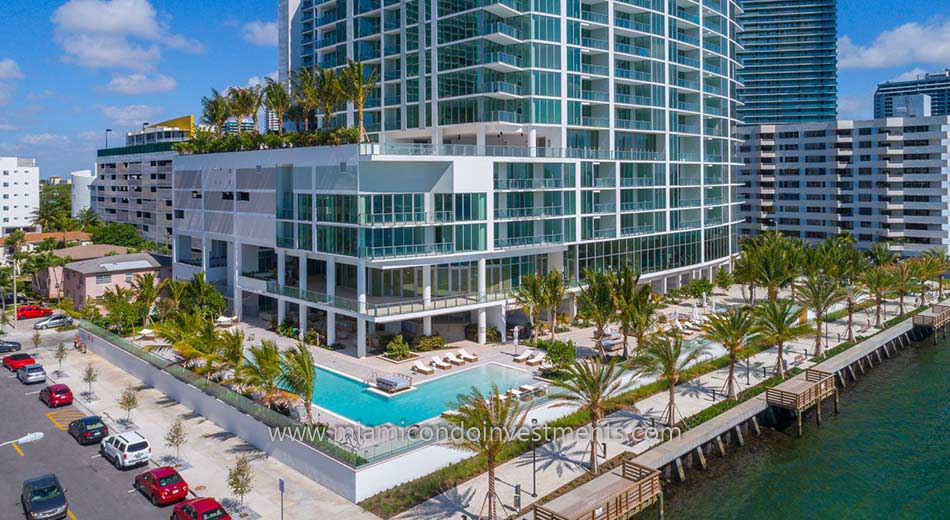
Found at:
[81, 192]
[19, 193]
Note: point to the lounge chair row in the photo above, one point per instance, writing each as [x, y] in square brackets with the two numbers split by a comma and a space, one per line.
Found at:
[445, 362]
[530, 358]
[522, 392]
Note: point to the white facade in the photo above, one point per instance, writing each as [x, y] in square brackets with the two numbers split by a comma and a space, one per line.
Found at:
[81, 193]
[19, 193]
[879, 180]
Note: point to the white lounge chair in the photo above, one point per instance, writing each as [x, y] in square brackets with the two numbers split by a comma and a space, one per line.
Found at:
[536, 359]
[422, 369]
[451, 413]
[532, 388]
[521, 358]
[466, 356]
[515, 393]
[455, 360]
[438, 363]
[546, 365]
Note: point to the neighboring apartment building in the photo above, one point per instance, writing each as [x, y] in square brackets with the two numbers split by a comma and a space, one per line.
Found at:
[133, 182]
[81, 191]
[92, 278]
[789, 61]
[606, 139]
[936, 85]
[879, 180]
[19, 193]
[48, 282]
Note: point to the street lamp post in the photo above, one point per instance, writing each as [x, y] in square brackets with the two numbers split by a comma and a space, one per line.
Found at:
[534, 462]
[26, 439]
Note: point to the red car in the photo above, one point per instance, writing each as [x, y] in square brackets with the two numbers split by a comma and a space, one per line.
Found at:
[200, 509]
[162, 485]
[13, 362]
[32, 311]
[56, 395]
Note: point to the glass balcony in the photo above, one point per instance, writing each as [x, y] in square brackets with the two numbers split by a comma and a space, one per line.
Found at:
[685, 83]
[503, 87]
[686, 156]
[685, 105]
[638, 155]
[603, 207]
[603, 182]
[599, 122]
[710, 46]
[505, 116]
[502, 28]
[632, 49]
[713, 157]
[633, 74]
[635, 182]
[646, 4]
[716, 111]
[630, 24]
[683, 37]
[600, 233]
[685, 128]
[589, 68]
[629, 99]
[527, 184]
[595, 17]
[686, 60]
[636, 230]
[327, 19]
[709, 67]
[407, 250]
[595, 43]
[595, 95]
[633, 124]
[506, 243]
[547, 211]
[640, 205]
[686, 15]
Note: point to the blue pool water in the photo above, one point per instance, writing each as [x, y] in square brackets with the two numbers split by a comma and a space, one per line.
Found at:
[349, 398]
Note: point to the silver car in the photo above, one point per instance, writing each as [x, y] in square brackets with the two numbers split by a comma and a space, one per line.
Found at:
[54, 321]
[31, 374]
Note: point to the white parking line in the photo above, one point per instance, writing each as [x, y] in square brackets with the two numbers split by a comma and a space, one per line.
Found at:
[33, 393]
[96, 456]
[133, 490]
[11, 377]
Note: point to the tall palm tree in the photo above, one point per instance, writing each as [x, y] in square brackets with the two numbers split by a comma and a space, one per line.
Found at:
[179, 332]
[88, 219]
[879, 282]
[277, 99]
[45, 217]
[596, 301]
[244, 102]
[732, 330]
[306, 93]
[229, 355]
[64, 223]
[329, 94]
[215, 111]
[261, 374]
[635, 304]
[903, 282]
[554, 291]
[530, 297]
[774, 267]
[818, 294]
[852, 294]
[488, 421]
[667, 356]
[941, 259]
[203, 297]
[357, 87]
[926, 267]
[147, 291]
[299, 376]
[880, 254]
[593, 386]
[14, 243]
[777, 323]
[295, 114]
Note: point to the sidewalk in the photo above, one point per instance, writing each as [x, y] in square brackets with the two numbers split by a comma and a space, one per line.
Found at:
[210, 450]
[560, 461]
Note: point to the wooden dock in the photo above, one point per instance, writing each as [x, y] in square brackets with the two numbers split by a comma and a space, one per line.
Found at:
[615, 495]
[802, 392]
[935, 318]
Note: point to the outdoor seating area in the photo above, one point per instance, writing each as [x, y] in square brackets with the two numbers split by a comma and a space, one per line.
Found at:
[615, 495]
[392, 384]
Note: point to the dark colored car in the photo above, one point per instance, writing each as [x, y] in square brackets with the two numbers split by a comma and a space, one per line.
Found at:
[162, 485]
[43, 498]
[9, 346]
[51, 322]
[8, 298]
[200, 509]
[56, 395]
[88, 430]
[32, 311]
[14, 362]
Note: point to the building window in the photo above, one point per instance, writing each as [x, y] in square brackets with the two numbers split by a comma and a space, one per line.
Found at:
[128, 277]
[103, 279]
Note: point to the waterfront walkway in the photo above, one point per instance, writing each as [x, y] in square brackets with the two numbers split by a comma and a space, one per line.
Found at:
[562, 460]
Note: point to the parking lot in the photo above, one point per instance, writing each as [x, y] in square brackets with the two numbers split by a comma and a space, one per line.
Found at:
[94, 488]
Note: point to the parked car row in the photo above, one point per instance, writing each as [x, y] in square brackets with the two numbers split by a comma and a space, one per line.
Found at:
[45, 498]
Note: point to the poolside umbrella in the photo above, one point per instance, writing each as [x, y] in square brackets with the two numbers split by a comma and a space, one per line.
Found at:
[695, 313]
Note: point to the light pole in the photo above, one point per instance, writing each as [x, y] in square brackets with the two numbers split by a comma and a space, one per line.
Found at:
[26, 439]
[534, 462]
[107, 136]
[280, 485]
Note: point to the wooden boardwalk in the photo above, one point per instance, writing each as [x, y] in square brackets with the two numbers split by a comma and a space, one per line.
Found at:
[615, 495]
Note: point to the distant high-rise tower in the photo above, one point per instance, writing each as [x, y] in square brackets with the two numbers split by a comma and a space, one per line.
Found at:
[789, 61]
[936, 85]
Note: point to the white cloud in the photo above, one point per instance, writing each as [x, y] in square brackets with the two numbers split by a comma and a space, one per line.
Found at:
[139, 83]
[9, 69]
[903, 45]
[44, 94]
[130, 115]
[45, 139]
[127, 34]
[260, 33]
[856, 106]
[257, 80]
[910, 74]
[6, 127]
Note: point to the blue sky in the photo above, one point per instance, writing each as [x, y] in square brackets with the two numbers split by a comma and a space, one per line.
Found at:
[71, 69]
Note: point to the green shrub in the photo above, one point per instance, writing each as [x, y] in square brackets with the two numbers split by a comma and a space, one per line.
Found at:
[427, 343]
[398, 349]
[560, 353]
[312, 337]
[492, 335]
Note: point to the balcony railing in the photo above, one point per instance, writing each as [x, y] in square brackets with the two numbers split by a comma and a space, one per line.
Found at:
[636, 230]
[547, 211]
[501, 28]
[603, 207]
[630, 24]
[633, 124]
[505, 243]
[630, 99]
[639, 205]
[595, 43]
[407, 250]
[527, 184]
[632, 49]
[604, 182]
[505, 116]
[633, 74]
[503, 57]
[470, 150]
[589, 68]
[595, 95]
[600, 122]
[504, 87]
[685, 15]
[600, 233]
[595, 17]
[686, 60]
[633, 182]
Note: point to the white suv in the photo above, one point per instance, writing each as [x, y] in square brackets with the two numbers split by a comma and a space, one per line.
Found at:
[125, 450]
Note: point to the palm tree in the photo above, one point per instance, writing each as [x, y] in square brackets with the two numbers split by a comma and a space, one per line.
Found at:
[667, 356]
[147, 291]
[731, 329]
[63, 222]
[554, 290]
[45, 217]
[14, 243]
[203, 297]
[818, 294]
[245, 102]
[173, 294]
[596, 300]
[879, 282]
[488, 423]
[530, 297]
[592, 385]
[357, 87]
[229, 354]
[261, 373]
[215, 111]
[306, 93]
[329, 94]
[635, 304]
[299, 376]
[903, 282]
[923, 268]
[941, 259]
[295, 114]
[880, 254]
[774, 268]
[277, 99]
[777, 323]
[852, 293]
[88, 219]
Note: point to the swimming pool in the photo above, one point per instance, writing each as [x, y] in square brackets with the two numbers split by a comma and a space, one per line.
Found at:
[349, 398]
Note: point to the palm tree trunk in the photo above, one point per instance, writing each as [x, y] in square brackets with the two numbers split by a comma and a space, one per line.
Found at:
[626, 351]
[594, 469]
[15, 301]
[900, 303]
[671, 407]
[779, 365]
[553, 320]
[359, 114]
[491, 488]
[731, 380]
[817, 335]
[877, 313]
[850, 322]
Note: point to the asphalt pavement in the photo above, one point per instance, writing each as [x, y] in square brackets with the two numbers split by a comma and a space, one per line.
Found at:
[94, 488]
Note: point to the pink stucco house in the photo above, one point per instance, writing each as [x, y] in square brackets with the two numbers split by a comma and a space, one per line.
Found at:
[48, 282]
[91, 278]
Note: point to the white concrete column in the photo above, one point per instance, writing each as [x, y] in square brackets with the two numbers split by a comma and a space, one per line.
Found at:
[532, 142]
[331, 277]
[427, 298]
[482, 279]
[482, 326]
[303, 271]
[281, 310]
[361, 286]
[303, 320]
[331, 327]
[480, 139]
[238, 263]
[572, 306]
[427, 325]
[281, 267]
[360, 338]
